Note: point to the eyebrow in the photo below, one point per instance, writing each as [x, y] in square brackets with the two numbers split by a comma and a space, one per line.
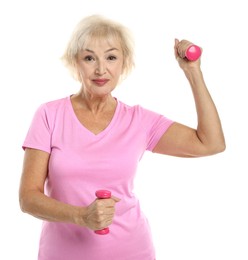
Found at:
[112, 49]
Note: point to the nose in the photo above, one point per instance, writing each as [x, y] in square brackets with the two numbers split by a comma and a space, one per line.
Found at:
[100, 68]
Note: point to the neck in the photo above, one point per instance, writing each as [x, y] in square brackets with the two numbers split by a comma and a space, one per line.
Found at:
[94, 104]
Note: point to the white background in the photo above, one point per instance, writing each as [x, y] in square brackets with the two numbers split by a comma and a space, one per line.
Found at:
[197, 208]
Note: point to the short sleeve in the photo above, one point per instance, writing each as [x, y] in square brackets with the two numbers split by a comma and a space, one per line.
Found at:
[159, 127]
[39, 132]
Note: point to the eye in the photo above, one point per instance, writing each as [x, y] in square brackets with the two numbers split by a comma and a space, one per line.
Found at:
[112, 58]
[88, 58]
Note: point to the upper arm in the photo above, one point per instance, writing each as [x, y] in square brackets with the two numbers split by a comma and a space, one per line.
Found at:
[182, 141]
[35, 169]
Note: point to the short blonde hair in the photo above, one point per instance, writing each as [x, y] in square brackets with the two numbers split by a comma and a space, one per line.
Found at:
[97, 27]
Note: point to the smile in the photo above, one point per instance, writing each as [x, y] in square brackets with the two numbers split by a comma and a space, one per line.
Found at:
[100, 82]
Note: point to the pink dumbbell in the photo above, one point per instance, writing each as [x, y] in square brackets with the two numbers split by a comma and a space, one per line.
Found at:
[103, 194]
[193, 52]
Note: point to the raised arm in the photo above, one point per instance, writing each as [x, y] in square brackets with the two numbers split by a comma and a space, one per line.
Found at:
[207, 138]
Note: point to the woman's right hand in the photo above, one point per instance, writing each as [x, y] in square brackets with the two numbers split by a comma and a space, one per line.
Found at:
[99, 214]
[180, 48]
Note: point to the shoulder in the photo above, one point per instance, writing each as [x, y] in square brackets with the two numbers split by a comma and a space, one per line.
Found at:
[132, 108]
[48, 111]
[55, 104]
[137, 110]
[144, 116]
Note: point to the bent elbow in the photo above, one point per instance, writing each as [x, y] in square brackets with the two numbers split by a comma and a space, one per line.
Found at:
[26, 203]
[23, 205]
[220, 148]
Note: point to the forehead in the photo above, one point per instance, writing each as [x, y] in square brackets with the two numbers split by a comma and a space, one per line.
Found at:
[103, 42]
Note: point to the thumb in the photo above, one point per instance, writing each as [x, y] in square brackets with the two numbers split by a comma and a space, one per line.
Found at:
[115, 198]
[175, 48]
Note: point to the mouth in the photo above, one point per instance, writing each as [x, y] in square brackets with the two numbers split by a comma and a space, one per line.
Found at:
[100, 82]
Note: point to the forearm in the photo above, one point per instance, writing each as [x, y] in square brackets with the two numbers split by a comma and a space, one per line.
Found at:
[209, 129]
[41, 206]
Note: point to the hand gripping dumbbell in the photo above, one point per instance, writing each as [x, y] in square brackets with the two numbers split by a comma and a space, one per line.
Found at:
[103, 194]
[193, 52]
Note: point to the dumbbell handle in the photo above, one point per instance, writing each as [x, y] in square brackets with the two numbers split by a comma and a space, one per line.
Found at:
[193, 52]
[103, 194]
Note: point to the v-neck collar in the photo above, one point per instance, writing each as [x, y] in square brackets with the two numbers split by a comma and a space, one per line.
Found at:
[85, 129]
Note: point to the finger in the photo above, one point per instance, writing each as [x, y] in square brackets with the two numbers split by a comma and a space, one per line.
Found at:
[103, 224]
[116, 199]
[176, 48]
[109, 203]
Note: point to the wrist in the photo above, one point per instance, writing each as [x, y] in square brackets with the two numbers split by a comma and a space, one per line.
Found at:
[193, 74]
[78, 216]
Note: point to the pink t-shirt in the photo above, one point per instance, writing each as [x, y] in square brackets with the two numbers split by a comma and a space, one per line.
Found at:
[81, 163]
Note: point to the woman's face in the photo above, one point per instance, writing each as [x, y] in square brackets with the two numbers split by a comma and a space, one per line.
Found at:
[100, 65]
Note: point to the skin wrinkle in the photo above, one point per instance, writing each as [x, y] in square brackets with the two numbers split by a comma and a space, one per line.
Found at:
[99, 67]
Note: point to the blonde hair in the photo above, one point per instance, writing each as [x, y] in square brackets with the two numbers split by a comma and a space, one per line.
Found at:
[97, 27]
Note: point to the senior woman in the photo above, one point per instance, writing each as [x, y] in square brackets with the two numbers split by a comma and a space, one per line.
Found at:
[91, 140]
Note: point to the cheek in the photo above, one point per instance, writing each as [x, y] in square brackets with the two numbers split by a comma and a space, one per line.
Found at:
[84, 72]
[117, 74]
[119, 70]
